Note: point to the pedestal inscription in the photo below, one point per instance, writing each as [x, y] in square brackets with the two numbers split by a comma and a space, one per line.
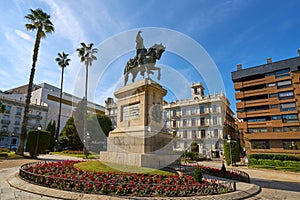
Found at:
[130, 112]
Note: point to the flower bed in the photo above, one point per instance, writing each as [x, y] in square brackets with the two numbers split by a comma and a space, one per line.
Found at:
[233, 174]
[63, 175]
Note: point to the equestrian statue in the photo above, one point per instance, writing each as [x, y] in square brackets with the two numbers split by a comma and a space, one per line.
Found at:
[144, 61]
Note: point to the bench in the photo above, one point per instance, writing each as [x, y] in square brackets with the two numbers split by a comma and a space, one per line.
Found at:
[3, 155]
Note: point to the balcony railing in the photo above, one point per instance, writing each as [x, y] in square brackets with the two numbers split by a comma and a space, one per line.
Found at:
[5, 121]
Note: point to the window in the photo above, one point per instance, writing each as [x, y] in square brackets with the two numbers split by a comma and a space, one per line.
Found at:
[201, 109]
[273, 95]
[274, 106]
[202, 133]
[276, 117]
[282, 73]
[284, 84]
[290, 144]
[257, 130]
[174, 124]
[286, 95]
[174, 113]
[7, 109]
[214, 108]
[17, 120]
[19, 111]
[262, 144]
[277, 129]
[194, 134]
[16, 130]
[193, 111]
[184, 122]
[193, 122]
[290, 118]
[215, 120]
[216, 133]
[183, 112]
[202, 121]
[257, 120]
[291, 129]
[270, 84]
[184, 134]
[287, 107]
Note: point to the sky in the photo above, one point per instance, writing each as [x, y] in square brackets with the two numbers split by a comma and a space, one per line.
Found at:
[204, 40]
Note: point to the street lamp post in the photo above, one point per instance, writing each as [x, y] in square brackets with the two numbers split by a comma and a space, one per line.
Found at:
[37, 140]
[228, 141]
[10, 142]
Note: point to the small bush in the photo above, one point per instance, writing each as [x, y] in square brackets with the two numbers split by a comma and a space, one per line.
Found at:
[223, 169]
[198, 174]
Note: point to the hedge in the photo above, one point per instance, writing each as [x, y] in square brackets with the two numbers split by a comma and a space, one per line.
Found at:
[275, 163]
[31, 142]
[281, 157]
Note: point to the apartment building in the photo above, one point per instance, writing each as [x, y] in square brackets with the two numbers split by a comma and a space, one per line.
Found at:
[206, 120]
[11, 120]
[268, 106]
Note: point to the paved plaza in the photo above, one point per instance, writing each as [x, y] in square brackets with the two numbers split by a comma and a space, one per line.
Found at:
[274, 184]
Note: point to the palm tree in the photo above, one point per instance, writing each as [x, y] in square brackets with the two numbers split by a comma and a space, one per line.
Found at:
[86, 54]
[63, 61]
[40, 21]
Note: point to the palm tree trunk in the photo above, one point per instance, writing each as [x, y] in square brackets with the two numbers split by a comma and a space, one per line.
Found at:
[23, 135]
[59, 111]
[85, 113]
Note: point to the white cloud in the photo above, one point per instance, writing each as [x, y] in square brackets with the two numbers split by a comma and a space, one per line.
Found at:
[66, 22]
[25, 36]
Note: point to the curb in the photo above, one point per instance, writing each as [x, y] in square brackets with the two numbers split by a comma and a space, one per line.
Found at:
[244, 190]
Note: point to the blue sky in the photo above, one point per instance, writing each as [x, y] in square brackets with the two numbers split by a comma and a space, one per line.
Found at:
[229, 32]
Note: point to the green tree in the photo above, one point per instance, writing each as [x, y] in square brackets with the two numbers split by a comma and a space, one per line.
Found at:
[63, 62]
[86, 54]
[51, 128]
[40, 21]
[2, 107]
[70, 134]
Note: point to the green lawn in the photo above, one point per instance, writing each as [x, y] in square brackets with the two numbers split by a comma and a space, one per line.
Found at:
[90, 156]
[97, 166]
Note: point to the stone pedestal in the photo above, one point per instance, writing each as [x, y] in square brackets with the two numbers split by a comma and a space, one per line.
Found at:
[140, 138]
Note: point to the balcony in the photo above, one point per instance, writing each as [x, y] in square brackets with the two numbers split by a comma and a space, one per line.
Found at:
[254, 82]
[239, 95]
[5, 121]
[257, 124]
[273, 135]
[238, 85]
[241, 115]
[240, 105]
[258, 113]
[17, 123]
[259, 102]
[255, 92]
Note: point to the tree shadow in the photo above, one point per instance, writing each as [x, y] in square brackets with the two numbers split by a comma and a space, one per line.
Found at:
[279, 185]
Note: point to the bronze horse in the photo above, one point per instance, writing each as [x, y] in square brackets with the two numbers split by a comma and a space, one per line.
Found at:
[144, 62]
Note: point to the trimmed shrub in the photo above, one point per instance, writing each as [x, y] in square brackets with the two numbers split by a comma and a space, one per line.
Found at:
[223, 169]
[43, 142]
[198, 175]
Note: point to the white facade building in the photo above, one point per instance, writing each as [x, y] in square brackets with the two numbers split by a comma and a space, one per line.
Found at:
[11, 120]
[206, 120]
[46, 94]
